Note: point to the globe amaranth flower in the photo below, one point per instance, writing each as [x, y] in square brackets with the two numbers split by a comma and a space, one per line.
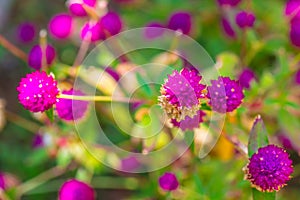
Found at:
[269, 169]
[111, 24]
[168, 181]
[181, 21]
[26, 32]
[295, 31]
[229, 2]
[227, 28]
[292, 8]
[76, 7]
[246, 77]
[38, 91]
[225, 94]
[154, 30]
[189, 123]
[297, 77]
[69, 109]
[130, 163]
[180, 94]
[76, 190]
[92, 31]
[61, 26]
[245, 19]
[35, 57]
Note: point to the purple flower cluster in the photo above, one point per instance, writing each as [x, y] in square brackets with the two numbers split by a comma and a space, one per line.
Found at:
[168, 181]
[245, 19]
[225, 94]
[180, 95]
[229, 2]
[26, 32]
[178, 21]
[292, 10]
[76, 7]
[68, 109]
[246, 77]
[37, 54]
[269, 169]
[76, 190]
[38, 91]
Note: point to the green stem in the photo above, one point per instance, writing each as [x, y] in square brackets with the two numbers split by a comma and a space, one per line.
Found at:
[99, 98]
[22, 122]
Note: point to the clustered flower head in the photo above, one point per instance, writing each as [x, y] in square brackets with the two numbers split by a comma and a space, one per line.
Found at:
[38, 91]
[229, 2]
[26, 32]
[292, 11]
[38, 53]
[180, 95]
[168, 181]
[225, 94]
[76, 7]
[68, 109]
[75, 190]
[245, 19]
[246, 77]
[269, 169]
[61, 25]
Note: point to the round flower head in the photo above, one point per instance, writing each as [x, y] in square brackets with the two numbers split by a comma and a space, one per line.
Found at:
[180, 94]
[189, 123]
[111, 24]
[76, 6]
[69, 109]
[75, 190]
[2, 182]
[227, 28]
[60, 26]
[168, 181]
[26, 32]
[130, 163]
[245, 19]
[181, 21]
[37, 91]
[246, 77]
[269, 169]
[297, 77]
[154, 30]
[225, 94]
[295, 32]
[292, 7]
[229, 2]
[92, 32]
[35, 56]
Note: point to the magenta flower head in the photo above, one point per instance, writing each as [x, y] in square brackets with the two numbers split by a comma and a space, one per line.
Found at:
[37, 141]
[26, 32]
[295, 32]
[225, 94]
[246, 77]
[189, 123]
[68, 109]
[111, 24]
[60, 26]
[180, 94]
[227, 28]
[75, 190]
[35, 56]
[292, 7]
[130, 163]
[2, 182]
[245, 19]
[168, 181]
[92, 31]
[269, 169]
[76, 7]
[154, 30]
[229, 2]
[38, 91]
[181, 21]
[297, 77]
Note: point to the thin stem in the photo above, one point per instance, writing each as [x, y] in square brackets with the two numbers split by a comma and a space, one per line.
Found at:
[13, 49]
[39, 180]
[22, 122]
[238, 144]
[99, 98]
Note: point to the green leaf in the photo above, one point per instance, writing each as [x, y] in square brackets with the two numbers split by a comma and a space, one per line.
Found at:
[257, 195]
[144, 84]
[50, 114]
[258, 136]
